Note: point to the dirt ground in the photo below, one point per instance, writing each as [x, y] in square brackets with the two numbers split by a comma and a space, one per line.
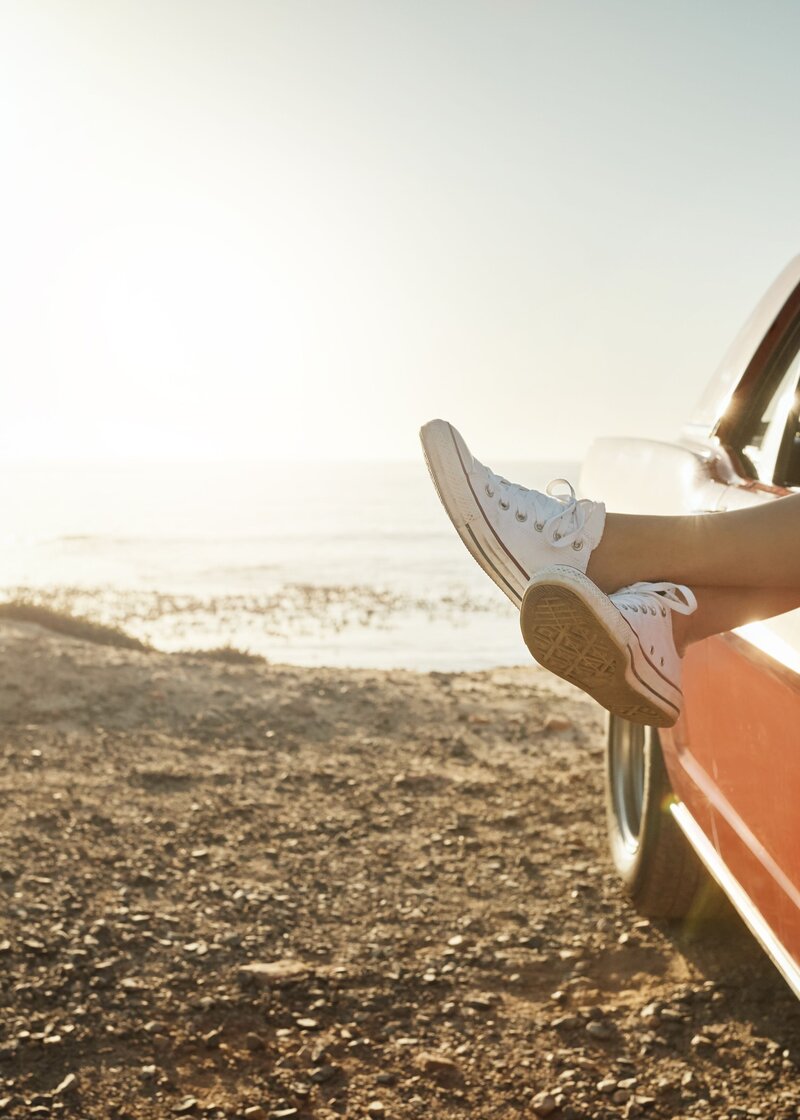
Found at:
[245, 890]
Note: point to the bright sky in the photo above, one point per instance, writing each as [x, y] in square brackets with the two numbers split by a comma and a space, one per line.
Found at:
[251, 228]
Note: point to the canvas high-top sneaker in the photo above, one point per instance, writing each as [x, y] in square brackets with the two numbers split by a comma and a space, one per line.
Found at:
[619, 648]
[511, 531]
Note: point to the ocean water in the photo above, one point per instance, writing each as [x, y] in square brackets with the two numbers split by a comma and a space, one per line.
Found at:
[311, 564]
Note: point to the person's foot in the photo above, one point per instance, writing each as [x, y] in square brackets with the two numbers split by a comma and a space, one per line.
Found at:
[511, 531]
[619, 648]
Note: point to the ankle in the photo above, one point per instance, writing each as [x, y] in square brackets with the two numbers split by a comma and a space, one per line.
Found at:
[603, 568]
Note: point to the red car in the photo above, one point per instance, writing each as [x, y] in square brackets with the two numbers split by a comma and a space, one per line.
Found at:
[724, 783]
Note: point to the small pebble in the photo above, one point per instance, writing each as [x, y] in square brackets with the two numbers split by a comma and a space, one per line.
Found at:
[479, 1002]
[274, 973]
[543, 1104]
[323, 1074]
[188, 1104]
[670, 1015]
[557, 723]
[69, 1083]
[430, 1061]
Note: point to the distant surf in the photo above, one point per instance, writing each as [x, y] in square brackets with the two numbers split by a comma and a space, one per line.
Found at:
[323, 564]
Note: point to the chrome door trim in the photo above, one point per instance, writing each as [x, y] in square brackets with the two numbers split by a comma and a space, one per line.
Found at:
[752, 917]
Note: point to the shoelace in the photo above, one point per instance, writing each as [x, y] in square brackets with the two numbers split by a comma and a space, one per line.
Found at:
[560, 529]
[639, 597]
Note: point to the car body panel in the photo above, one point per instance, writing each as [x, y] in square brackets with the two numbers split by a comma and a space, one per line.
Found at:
[634, 475]
[742, 753]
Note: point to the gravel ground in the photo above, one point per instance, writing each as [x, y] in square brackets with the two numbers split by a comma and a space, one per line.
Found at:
[245, 890]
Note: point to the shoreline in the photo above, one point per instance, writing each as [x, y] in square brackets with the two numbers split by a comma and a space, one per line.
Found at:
[328, 626]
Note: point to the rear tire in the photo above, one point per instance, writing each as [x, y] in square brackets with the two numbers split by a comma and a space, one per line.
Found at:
[655, 861]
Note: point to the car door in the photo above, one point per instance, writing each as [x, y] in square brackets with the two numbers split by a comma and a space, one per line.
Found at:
[734, 756]
[745, 695]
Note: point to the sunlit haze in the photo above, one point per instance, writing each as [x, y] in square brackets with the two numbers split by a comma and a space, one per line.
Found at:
[299, 229]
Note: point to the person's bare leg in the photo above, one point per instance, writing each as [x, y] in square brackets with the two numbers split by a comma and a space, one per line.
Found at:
[724, 608]
[757, 547]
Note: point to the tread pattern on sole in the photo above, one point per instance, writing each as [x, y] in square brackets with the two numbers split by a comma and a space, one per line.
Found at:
[569, 640]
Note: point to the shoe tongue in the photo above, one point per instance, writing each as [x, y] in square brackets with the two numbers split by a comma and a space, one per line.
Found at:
[595, 523]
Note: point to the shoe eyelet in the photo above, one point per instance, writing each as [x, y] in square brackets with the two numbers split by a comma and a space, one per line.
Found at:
[538, 526]
[556, 536]
[489, 490]
[653, 611]
[577, 545]
[504, 504]
[664, 611]
[635, 610]
[521, 516]
[662, 660]
[652, 649]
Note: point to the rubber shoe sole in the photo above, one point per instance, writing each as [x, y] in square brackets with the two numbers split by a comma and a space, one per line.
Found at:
[450, 477]
[575, 631]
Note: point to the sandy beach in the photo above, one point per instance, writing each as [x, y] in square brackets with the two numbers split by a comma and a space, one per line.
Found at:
[235, 889]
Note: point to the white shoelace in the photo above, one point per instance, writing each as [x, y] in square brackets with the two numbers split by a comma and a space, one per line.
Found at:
[560, 529]
[639, 597]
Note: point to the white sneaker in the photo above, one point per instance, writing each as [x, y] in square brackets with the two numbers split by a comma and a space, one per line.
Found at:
[512, 532]
[618, 648]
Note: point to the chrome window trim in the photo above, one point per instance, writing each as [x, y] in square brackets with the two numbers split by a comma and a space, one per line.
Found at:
[752, 917]
[710, 410]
